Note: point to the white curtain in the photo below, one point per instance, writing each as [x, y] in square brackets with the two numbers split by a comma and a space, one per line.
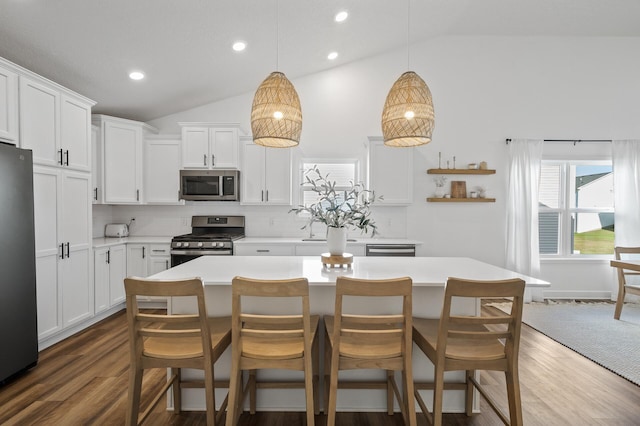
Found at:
[523, 253]
[626, 184]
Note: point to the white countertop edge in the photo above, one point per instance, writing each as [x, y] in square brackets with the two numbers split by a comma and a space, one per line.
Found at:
[109, 242]
[301, 241]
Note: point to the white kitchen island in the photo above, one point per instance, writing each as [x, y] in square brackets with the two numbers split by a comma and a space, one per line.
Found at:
[429, 275]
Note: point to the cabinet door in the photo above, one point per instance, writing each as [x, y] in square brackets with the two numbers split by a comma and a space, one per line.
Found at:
[96, 167]
[122, 146]
[101, 279]
[8, 105]
[223, 148]
[391, 173]
[75, 134]
[159, 264]
[77, 213]
[195, 148]
[252, 177]
[137, 260]
[162, 162]
[47, 184]
[117, 273]
[77, 292]
[277, 176]
[39, 128]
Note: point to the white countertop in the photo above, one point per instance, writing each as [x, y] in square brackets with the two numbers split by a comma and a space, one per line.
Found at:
[302, 240]
[425, 271]
[107, 242]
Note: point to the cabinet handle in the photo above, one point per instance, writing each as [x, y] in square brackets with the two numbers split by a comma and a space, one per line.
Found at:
[262, 195]
[166, 263]
[61, 250]
[158, 251]
[66, 153]
[213, 160]
[143, 252]
[108, 256]
[267, 192]
[60, 160]
[205, 159]
[263, 251]
[68, 254]
[95, 194]
[137, 195]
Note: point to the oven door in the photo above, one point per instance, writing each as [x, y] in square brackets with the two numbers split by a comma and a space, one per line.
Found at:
[179, 257]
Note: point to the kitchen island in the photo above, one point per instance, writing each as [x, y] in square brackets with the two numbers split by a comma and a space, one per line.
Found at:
[429, 275]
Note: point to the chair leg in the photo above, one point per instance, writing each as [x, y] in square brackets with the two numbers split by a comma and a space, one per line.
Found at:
[315, 350]
[513, 393]
[135, 387]
[252, 391]
[409, 390]
[438, 390]
[210, 395]
[390, 398]
[619, 303]
[468, 397]
[333, 388]
[176, 390]
[235, 390]
[308, 389]
[326, 377]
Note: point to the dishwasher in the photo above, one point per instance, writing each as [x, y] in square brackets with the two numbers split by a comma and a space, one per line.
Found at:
[398, 250]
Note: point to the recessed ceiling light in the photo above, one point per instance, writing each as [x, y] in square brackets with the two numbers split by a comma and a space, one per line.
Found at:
[136, 75]
[332, 55]
[341, 16]
[239, 46]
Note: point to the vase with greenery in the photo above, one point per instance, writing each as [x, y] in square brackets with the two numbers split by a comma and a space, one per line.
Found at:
[338, 208]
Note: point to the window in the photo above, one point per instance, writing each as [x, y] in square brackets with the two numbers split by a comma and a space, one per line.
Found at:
[576, 212]
[342, 172]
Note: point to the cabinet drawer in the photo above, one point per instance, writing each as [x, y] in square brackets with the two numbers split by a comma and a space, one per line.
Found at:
[159, 249]
[263, 250]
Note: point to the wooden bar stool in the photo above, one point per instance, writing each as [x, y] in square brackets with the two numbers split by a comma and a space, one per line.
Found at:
[263, 341]
[473, 343]
[623, 286]
[370, 342]
[174, 342]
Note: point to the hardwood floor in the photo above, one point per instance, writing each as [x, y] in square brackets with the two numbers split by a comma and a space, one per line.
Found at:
[83, 380]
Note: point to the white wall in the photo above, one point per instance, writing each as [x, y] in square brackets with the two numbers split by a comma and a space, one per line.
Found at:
[485, 89]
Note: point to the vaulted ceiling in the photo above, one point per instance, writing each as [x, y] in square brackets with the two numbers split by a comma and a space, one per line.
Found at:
[184, 46]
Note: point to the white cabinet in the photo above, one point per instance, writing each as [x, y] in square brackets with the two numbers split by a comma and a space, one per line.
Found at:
[96, 167]
[263, 250]
[62, 216]
[137, 260]
[390, 173]
[122, 158]
[144, 260]
[110, 270]
[266, 174]
[162, 163]
[56, 126]
[8, 105]
[209, 146]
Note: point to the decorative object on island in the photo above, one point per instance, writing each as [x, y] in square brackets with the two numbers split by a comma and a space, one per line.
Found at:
[407, 117]
[276, 115]
[338, 210]
[440, 181]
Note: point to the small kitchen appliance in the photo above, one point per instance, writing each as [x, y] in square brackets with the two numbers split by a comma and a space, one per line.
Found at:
[116, 230]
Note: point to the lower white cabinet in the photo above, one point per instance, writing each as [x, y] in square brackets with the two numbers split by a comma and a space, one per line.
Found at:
[144, 260]
[110, 270]
[263, 250]
[62, 217]
[137, 260]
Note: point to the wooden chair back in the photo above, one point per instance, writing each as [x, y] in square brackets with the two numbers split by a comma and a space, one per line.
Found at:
[625, 253]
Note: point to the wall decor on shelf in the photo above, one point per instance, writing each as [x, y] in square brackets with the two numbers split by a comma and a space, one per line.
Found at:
[459, 192]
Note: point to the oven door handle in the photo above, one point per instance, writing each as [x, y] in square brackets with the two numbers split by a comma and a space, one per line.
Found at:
[200, 252]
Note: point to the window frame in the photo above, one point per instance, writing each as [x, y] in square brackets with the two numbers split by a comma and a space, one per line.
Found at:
[566, 212]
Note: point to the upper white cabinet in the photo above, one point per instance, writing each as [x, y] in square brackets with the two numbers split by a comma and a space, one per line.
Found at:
[266, 174]
[96, 165]
[122, 158]
[162, 163]
[8, 105]
[390, 173]
[209, 145]
[55, 125]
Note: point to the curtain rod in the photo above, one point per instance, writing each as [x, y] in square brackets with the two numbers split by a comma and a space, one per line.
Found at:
[575, 141]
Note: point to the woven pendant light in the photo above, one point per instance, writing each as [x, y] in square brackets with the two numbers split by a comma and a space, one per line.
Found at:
[276, 116]
[407, 116]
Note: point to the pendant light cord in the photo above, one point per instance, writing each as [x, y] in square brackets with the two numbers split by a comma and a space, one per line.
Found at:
[408, 27]
[277, 34]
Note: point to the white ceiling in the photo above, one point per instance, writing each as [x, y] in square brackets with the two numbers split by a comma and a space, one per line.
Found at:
[184, 46]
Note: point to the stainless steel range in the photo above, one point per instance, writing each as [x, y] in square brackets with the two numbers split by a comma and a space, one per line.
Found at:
[210, 236]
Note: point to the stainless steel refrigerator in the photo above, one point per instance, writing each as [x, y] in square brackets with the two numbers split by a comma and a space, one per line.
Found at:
[18, 321]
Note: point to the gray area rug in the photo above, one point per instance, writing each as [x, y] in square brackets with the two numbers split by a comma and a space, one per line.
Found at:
[589, 329]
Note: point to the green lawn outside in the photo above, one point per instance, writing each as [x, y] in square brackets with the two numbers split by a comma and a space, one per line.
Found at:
[594, 242]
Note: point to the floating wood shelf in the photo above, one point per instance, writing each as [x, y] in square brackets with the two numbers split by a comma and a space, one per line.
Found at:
[461, 172]
[461, 200]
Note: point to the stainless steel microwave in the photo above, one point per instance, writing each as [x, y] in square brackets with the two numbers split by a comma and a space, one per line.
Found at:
[210, 185]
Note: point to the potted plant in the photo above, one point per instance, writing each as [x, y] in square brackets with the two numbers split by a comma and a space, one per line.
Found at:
[339, 210]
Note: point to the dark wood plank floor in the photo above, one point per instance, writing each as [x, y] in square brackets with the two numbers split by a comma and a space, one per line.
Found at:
[83, 380]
